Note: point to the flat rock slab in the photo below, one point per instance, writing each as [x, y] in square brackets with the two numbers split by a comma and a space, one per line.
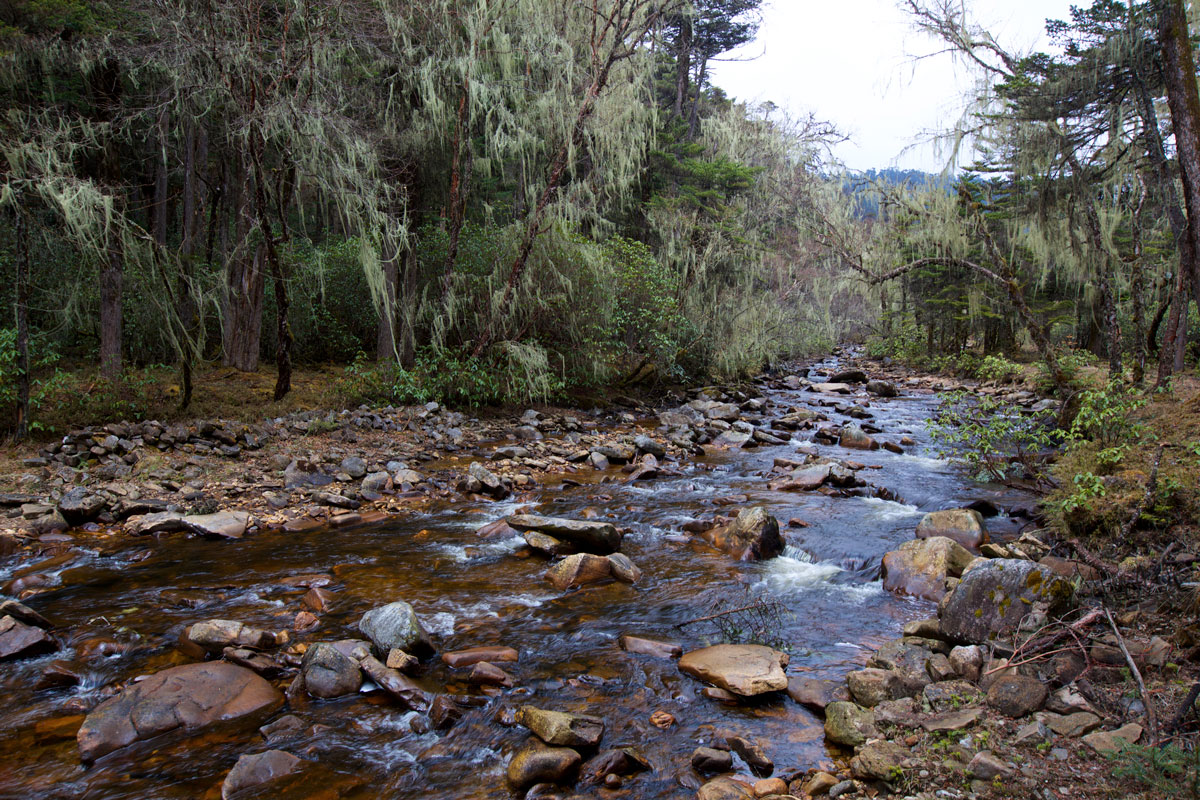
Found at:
[473, 655]
[744, 669]
[952, 720]
[650, 647]
[600, 538]
[184, 698]
[993, 598]
[258, 769]
[18, 640]
[1109, 741]
[223, 525]
[561, 729]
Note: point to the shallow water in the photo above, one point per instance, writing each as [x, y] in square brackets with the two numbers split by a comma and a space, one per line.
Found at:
[473, 592]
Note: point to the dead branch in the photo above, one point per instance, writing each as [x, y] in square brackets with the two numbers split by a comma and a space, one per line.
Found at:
[1147, 701]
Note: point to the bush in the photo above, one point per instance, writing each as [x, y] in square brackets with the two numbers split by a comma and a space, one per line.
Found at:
[999, 441]
[998, 369]
[1171, 770]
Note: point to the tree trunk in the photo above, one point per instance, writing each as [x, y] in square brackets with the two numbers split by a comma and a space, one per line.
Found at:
[112, 282]
[385, 340]
[683, 63]
[22, 278]
[1179, 74]
[195, 153]
[1137, 290]
[283, 339]
[694, 118]
[242, 325]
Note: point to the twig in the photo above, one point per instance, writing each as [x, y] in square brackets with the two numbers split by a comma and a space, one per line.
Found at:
[719, 614]
[1091, 559]
[1151, 717]
[1188, 702]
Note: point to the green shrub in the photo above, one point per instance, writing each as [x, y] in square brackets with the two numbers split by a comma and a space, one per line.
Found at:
[998, 441]
[1171, 769]
[999, 369]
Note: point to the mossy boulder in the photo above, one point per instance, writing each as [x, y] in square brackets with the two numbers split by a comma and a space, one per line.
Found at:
[993, 598]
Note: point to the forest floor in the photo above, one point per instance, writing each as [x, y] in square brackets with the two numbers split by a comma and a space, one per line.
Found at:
[299, 465]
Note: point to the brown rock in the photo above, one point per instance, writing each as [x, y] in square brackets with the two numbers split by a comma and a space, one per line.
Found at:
[561, 729]
[473, 655]
[18, 640]
[485, 674]
[724, 789]
[708, 759]
[921, 567]
[537, 763]
[963, 525]
[1017, 695]
[185, 698]
[258, 769]
[744, 669]
[650, 647]
[577, 570]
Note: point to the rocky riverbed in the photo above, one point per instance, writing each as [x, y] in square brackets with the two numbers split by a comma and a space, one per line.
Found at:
[415, 603]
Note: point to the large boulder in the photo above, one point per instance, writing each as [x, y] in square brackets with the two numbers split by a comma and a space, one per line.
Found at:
[994, 597]
[184, 698]
[879, 761]
[600, 538]
[488, 482]
[882, 388]
[744, 669]
[395, 627]
[920, 567]
[752, 536]
[963, 525]
[328, 672]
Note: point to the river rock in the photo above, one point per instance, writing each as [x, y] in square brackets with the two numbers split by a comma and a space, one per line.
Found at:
[561, 729]
[577, 570]
[599, 538]
[853, 437]
[258, 769]
[812, 693]
[328, 672]
[354, 466]
[400, 687]
[186, 698]
[1017, 695]
[752, 536]
[872, 686]
[377, 482]
[491, 485]
[538, 763]
[158, 522]
[709, 759]
[647, 445]
[849, 376]
[214, 635]
[222, 525]
[993, 598]
[963, 525]
[395, 626]
[882, 388]
[880, 760]
[725, 789]
[921, 567]
[471, 656]
[984, 766]
[755, 757]
[805, 479]
[79, 506]
[18, 640]
[650, 647]
[967, 661]
[548, 544]
[849, 724]
[623, 569]
[744, 669]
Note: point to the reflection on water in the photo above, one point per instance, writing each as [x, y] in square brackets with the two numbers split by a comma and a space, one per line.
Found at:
[471, 591]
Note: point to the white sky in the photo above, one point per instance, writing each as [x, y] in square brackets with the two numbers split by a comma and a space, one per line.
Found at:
[852, 62]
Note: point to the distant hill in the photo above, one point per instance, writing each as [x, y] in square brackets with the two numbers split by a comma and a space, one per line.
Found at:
[859, 184]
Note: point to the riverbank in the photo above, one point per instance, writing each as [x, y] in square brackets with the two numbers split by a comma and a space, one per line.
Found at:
[310, 478]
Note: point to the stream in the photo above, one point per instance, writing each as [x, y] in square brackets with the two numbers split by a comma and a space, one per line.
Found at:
[470, 591]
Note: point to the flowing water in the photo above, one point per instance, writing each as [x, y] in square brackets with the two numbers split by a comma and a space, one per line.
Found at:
[471, 591]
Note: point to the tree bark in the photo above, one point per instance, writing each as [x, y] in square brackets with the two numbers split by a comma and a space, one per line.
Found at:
[385, 339]
[22, 278]
[283, 336]
[242, 324]
[112, 282]
[1179, 74]
[683, 63]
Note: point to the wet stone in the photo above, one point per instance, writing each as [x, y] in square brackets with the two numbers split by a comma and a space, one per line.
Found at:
[650, 647]
[711, 760]
[561, 729]
[329, 673]
[256, 770]
[538, 763]
[18, 640]
[746, 670]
